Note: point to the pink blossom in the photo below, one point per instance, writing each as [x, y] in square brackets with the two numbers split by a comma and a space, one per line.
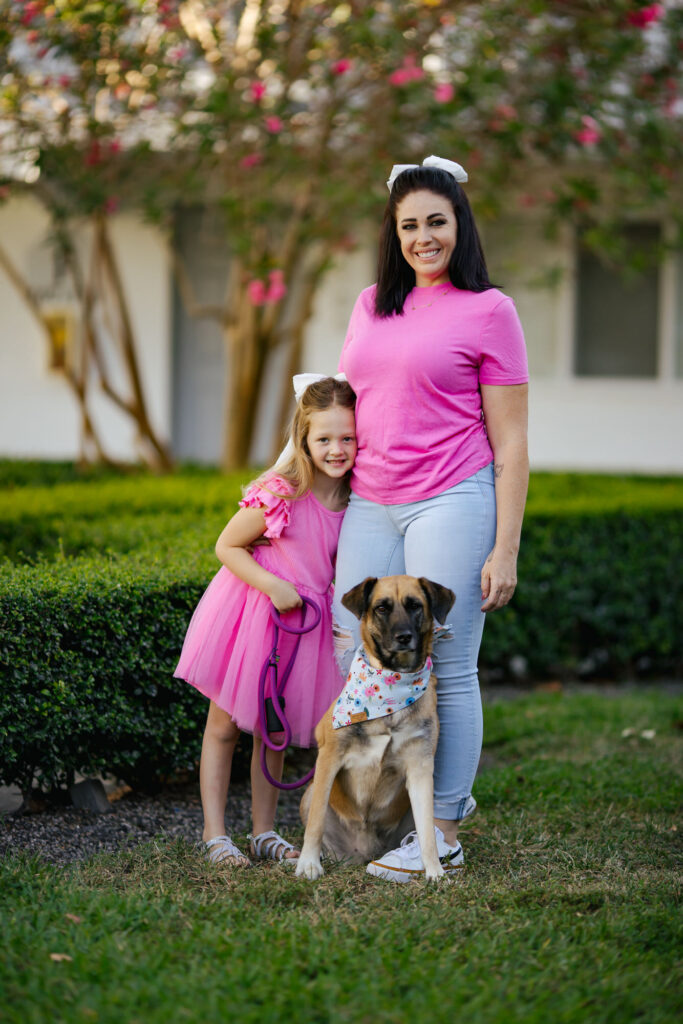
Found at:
[399, 77]
[31, 10]
[590, 134]
[64, 81]
[646, 15]
[444, 92]
[527, 200]
[111, 204]
[408, 72]
[93, 155]
[369, 691]
[251, 160]
[257, 91]
[115, 146]
[256, 290]
[274, 125]
[277, 289]
[507, 112]
[177, 53]
[340, 67]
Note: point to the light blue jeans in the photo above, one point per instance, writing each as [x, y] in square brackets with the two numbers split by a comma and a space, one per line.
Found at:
[447, 539]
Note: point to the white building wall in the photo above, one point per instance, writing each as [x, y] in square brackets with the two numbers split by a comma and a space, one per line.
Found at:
[613, 425]
[332, 308]
[39, 417]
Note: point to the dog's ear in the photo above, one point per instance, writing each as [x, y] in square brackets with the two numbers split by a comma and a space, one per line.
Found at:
[440, 599]
[357, 599]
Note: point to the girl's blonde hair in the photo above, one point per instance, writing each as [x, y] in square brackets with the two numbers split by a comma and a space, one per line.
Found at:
[297, 468]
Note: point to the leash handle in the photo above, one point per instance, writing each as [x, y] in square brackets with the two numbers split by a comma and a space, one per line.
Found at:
[270, 667]
[303, 628]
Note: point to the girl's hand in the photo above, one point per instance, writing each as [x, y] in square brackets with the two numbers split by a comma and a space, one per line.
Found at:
[498, 580]
[284, 596]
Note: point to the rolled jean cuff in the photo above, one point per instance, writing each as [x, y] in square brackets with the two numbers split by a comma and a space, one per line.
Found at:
[457, 811]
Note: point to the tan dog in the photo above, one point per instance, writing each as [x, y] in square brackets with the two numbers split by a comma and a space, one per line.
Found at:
[369, 775]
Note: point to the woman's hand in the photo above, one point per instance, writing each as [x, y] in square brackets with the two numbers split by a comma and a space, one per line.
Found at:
[284, 595]
[498, 580]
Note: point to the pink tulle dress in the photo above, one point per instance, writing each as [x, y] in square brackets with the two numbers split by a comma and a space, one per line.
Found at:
[231, 631]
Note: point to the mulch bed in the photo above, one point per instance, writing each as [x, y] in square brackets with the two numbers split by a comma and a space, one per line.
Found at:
[65, 835]
[62, 835]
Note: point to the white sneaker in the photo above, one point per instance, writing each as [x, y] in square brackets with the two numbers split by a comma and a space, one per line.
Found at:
[405, 862]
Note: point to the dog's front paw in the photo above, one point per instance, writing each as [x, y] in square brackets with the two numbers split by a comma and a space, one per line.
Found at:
[435, 873]
[309, 867]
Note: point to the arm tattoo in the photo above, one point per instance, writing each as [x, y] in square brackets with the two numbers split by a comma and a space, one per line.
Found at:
[498, 469]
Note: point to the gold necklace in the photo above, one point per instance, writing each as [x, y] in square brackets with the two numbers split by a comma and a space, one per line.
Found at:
[426, 305]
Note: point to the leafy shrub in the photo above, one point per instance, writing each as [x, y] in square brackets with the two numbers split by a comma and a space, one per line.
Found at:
[120, 513]
[90, 633]
[87, 655]
[597, 597]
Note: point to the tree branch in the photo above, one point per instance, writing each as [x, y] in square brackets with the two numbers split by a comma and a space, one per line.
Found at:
[24, 290]
[192, 307]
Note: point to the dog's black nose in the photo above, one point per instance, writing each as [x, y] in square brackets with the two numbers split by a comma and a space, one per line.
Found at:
[403, 639]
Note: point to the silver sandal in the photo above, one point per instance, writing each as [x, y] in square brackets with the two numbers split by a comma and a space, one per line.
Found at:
[222, 848]
[271, 846]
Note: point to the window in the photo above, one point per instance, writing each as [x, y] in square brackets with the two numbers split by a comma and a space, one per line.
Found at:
[617, 315]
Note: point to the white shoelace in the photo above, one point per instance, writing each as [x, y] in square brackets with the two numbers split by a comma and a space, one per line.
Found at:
[410, 843]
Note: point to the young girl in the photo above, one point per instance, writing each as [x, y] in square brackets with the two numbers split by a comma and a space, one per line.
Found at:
[298, 505]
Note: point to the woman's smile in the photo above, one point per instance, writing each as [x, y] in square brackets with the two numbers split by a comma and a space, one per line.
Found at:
[429, 254]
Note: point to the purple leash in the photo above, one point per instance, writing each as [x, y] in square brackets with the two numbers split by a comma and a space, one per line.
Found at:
[274, 692]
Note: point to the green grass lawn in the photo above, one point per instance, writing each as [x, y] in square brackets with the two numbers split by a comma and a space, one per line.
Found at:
[568, 910]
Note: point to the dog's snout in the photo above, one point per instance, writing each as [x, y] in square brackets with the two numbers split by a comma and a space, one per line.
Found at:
[404, 639]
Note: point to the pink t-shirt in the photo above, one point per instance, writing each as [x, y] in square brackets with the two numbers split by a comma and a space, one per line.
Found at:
[419, 418]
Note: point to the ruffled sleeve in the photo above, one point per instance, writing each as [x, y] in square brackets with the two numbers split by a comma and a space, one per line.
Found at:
[268, 496]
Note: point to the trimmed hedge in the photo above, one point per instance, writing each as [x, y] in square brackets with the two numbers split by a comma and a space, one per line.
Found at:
[88, 644]
[121, 514]
[599, 597]
[87, 655]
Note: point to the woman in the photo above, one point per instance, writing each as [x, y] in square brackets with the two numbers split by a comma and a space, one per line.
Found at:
[436, 357]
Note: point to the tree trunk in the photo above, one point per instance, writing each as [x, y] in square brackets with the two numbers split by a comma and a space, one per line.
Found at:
[251, 338]
[295, 341]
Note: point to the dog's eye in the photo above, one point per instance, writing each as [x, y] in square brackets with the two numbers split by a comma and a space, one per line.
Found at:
[411, 605]
[382, 609]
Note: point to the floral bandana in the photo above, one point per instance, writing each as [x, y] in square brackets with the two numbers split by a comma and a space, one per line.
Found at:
[373, 693]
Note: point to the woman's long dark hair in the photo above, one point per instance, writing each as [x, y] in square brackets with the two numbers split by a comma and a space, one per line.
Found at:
[467, 267]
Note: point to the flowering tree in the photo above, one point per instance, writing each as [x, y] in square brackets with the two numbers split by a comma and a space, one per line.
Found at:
[287, 115]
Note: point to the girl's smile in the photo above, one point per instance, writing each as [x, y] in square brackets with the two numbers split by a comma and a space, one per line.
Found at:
[427, 232]
[332, 440]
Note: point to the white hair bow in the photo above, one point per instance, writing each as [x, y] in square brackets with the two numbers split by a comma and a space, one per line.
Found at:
[458, 172]
[301, 381]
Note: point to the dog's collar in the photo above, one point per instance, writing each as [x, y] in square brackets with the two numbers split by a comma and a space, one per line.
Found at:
[375, 692]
